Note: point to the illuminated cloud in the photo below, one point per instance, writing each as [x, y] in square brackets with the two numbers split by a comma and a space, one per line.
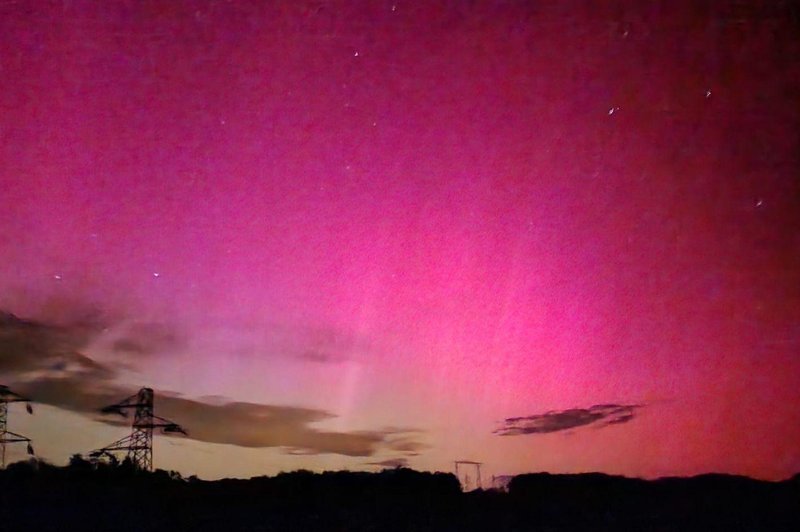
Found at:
[555, 421]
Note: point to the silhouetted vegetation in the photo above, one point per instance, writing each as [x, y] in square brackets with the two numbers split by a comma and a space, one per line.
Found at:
[35, 495]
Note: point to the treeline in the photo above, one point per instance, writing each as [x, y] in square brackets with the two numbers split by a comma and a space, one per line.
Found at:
[82, 496]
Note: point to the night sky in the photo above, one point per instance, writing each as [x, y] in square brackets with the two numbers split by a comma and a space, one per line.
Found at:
[559, 236]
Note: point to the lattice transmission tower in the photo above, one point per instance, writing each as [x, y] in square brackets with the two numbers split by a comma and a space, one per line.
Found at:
[466, 481]
[139, 443]
[6, 436]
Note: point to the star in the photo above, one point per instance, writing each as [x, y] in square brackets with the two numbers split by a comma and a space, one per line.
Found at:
[156, 274]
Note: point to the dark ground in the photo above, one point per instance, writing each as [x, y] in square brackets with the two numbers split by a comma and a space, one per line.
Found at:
[37, 496]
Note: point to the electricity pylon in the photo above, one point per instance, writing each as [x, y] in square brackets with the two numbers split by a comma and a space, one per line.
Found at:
[466, 483]
[6, 436]
[139, 443]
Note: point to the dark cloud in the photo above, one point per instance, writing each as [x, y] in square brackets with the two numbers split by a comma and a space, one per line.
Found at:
[404, 441]
[32, 348]
[321, 356]
[75, 393]
[44, 363]
[391, 462]
[257, 425]
[555, 421]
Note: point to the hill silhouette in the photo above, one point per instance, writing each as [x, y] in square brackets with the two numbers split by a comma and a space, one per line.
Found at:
[38, 496]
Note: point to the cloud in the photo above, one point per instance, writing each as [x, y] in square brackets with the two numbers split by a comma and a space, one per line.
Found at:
[320, 345]
[45, 364]
[74, 393]
[555, 421]
[32, 348]
[321, 357]
[302, 343]
[147, 338]
[234, 423]
[391, 462]
[404, 441]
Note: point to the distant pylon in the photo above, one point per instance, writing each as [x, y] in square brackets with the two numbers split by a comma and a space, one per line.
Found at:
[6, 436]
[139, 444]
[466, 483]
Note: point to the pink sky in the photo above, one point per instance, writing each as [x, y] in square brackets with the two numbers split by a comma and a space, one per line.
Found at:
[419, 220]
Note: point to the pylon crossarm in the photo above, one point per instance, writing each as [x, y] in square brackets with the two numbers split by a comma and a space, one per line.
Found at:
[118, 408]
[110, 449]
[7, 396]
[131, 401]
[113, 409]
[4, 437]
[119, 445]
[175, 428]
[160, 423]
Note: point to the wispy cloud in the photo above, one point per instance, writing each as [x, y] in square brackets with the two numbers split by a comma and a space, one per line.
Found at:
[554, 421]
[144, 338]
[321, 357]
